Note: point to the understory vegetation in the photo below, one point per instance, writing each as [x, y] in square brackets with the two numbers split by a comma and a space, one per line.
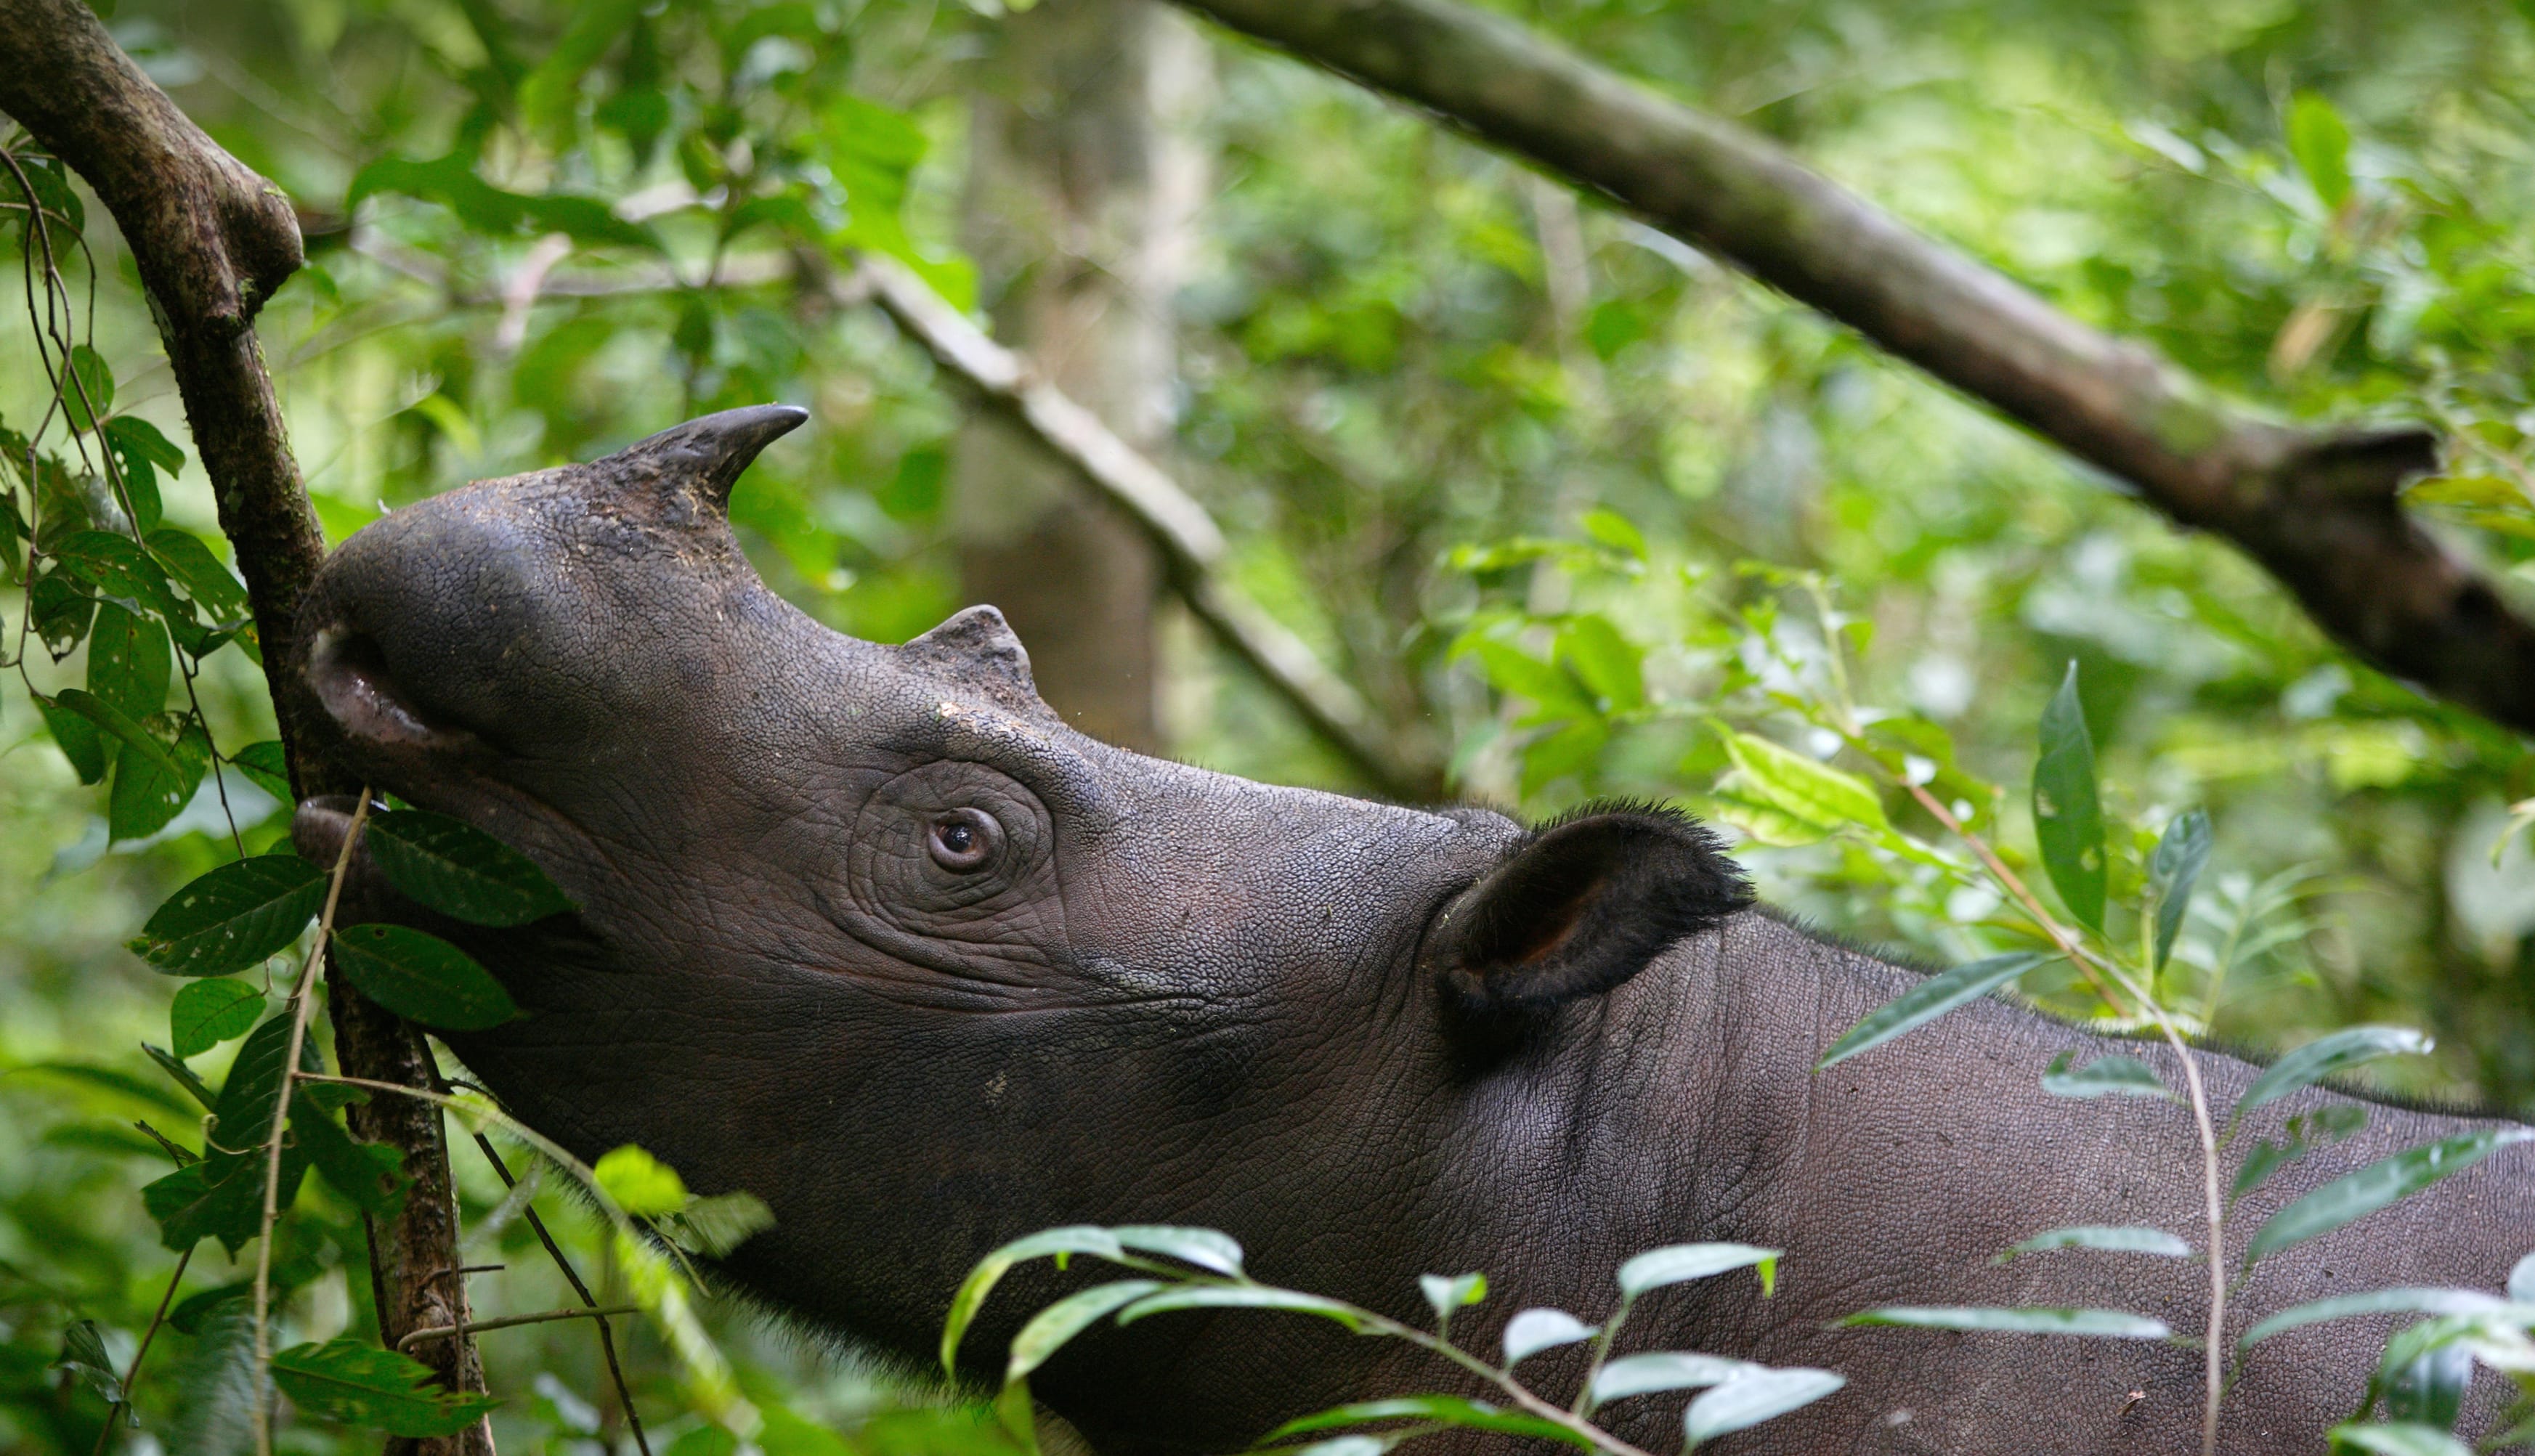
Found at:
[1576, 513]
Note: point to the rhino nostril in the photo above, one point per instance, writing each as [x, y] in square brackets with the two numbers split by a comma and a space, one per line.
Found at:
[351, 676]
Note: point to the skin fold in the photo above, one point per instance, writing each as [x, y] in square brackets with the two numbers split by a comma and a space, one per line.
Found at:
[868, 932]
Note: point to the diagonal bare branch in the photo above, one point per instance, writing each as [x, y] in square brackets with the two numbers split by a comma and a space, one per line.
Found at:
[2316, 506]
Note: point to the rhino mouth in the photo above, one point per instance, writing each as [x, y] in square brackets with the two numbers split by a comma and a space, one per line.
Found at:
[348, 672]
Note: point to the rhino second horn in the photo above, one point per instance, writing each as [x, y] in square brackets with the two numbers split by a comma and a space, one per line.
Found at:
[703, 458]
[977, 646]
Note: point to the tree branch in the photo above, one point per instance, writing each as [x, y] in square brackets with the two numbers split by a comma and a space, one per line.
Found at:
[211, 241]
[1192, 547]
[2316, 506]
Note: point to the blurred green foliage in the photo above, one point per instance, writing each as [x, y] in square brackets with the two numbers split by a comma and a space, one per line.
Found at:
[1500, 456]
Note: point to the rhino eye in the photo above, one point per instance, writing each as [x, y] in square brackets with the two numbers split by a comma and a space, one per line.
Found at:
[963, 840]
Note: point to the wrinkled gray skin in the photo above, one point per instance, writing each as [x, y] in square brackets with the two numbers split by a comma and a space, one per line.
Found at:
[1163, 995]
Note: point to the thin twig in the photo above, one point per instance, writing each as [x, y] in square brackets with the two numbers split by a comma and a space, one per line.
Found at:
[300, 1001]
[506, 1321]
[132, 1371]
[572, 1276]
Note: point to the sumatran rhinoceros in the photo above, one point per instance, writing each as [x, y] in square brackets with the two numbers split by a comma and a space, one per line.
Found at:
[868, 932]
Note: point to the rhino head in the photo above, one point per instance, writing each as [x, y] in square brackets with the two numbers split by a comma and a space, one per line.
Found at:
[868, 932]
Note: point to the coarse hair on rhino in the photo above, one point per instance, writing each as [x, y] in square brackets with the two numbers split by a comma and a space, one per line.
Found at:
[868, 932]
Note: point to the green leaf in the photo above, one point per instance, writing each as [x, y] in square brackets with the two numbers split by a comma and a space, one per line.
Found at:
[1514, 671]
[2105, 1077]
[87, 392]
[1535, 1330]
[222, 596]
[1210, 1296]
[1661, 1370]
[2306, 1131]
[60, 612]
[118, 725]
[1680, 1263]
[639, 1184]
[2109, 1238]
[215, 1387]
[150, 790]
[183, 1077]
[715, 1226]
[370, 1175]
[1051, 1327]
[990, 1270]
[1928, 1000]
[2400, 1301]
[1749, 1398]
[2405, 1439]
[1446, 1293]
[1812, 791]
[451, 181]
[360, 1384]
[1616, 531]
[1448, 1409]
[2067, 815]
[1204, 1247]
[265, 765]
[141, 452]
[128, 662]
[78, 737]
[2327, 1056]
[2110, 1324]
[2181, 852]
[2346, 1200]
[547, 94]
[232, 918]
[422, 978]
[460, 871]
[2320, 142]
[121, 572]
[1606, 662]
[84, 1355]
[219, 1197]
[207, 1013]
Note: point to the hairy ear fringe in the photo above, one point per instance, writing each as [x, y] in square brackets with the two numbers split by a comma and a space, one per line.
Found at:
[1580, 905]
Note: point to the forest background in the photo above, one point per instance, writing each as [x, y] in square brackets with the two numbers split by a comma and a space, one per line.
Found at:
[1530, 477]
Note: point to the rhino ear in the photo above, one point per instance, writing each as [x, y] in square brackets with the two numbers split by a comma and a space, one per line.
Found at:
[1581, 906]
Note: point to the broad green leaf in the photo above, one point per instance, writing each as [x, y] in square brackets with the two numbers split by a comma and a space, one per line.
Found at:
[1204, 1247]
[1051, 1327]
[2397, 1440]
[1805, 787]
[81, 740]
[128, 662]
[1928, 1000]
[207, 1013]
[182, 1075]
[1749, 1398]
[222, 596]
[1446, 1293]
[422, 977]
[232, 918]
[120, 570]
[265, 765]
[60, 611]
[1680, 1263]
[114, 1082]
[84, 1355]
[1545, 684]
[460, 871]
[2107, 1239]
[548, 93]
[990, 1270]
[88, 390]
[117, 725]
[715, 1226]
[2346, 1200]
[215, 1384]
[370, 1175]
[1238, 1296]
[2320, 142]
[219, 1197]
[358, 1384]
[1535, 1330]
[2105, 1077]
[451, 181]
[2326, 1056]
[151, 790]
[1606, 662]
[2306, 1131]
[2181, 852]
[1448, 1409]
[786, 1434]
[141, 452]
[2067, 815]
[2110, 1324]
[639, 1184]
[1660, 1371]
[2400, 1301]
[1616, 531]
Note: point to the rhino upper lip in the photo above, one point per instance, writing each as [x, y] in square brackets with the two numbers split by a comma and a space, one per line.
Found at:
[351, 677]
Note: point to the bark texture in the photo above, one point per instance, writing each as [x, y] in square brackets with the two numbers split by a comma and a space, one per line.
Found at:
[2317, 506]
[211, 241]
[1079, 197]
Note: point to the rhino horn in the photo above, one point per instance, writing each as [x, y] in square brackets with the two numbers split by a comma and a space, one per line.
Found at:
[699, 460]
[978, 646]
